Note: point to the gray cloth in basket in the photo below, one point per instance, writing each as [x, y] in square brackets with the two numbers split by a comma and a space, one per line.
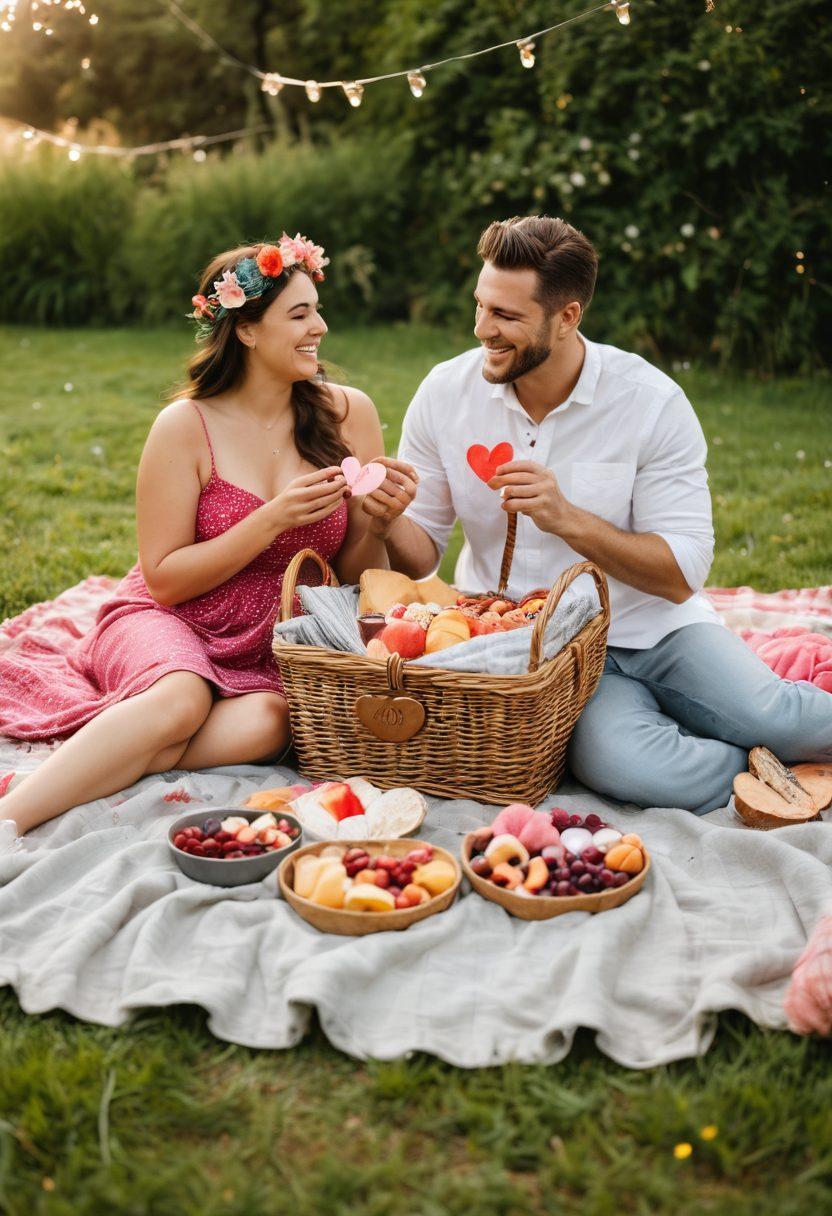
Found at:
[332, 624]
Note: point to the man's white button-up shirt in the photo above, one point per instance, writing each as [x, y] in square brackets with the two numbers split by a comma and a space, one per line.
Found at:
[626, 445]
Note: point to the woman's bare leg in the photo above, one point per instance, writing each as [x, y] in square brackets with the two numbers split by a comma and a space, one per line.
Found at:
[113, 750]
[238, 730]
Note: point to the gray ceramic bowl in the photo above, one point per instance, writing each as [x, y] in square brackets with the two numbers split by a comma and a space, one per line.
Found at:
[239, 870]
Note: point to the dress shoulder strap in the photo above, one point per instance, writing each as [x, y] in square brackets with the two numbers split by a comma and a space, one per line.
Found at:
[207, 436]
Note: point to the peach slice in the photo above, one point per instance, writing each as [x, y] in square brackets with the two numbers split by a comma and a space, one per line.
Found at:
[538, 875]
[506, 848]
[308, 870]
[505, 875]
[436, 876]
[364, 897]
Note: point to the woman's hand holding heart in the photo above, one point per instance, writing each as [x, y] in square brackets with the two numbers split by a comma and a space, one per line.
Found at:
[393, 496]
[532, 489]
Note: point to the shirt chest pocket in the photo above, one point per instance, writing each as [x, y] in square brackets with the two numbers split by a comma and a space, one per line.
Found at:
[605, 489]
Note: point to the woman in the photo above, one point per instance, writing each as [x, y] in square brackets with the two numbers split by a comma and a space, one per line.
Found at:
[237, 475]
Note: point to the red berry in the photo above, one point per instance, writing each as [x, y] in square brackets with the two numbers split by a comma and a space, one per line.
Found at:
[593, 822]
[382, 878]
[211, 848]
[230, 846]
[575, 821]
[180, 840]
[560, 818]
[197, 849]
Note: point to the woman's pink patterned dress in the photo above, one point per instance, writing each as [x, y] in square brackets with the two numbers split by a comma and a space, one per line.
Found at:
[223, 635]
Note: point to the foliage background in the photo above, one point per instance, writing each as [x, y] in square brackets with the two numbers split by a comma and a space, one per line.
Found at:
[693, 148]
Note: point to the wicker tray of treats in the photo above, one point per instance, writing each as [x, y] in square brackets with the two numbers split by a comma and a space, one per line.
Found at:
[455, 734]
[347, 923]
[544, 907]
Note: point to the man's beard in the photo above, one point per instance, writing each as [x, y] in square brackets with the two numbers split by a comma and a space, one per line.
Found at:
[524, 363]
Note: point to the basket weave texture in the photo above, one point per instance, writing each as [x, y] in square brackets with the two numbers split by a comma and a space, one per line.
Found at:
[495, 739]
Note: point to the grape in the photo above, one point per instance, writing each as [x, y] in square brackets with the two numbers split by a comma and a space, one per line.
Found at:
[620, 879]
[577, 868]
[592, 854]
[586, 883]
[564, 888]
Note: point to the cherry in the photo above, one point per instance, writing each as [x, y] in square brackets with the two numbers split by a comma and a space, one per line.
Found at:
[180, 840]
[594, 822]
[560, 817]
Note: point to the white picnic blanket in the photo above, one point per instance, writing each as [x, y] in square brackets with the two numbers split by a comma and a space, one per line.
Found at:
[96, 919]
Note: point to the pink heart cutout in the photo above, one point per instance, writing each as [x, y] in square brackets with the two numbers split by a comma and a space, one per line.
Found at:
[362, 480]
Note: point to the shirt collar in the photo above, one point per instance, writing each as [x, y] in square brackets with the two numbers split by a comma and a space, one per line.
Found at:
[583, 392]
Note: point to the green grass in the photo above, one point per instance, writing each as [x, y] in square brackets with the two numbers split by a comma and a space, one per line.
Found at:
[160, 1118]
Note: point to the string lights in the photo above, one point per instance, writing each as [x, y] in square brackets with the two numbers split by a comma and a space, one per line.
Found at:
[187, 143]
[273, 83]
[353, 90]
[40, 12]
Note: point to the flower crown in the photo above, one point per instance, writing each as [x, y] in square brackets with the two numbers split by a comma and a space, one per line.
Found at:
[251, 277]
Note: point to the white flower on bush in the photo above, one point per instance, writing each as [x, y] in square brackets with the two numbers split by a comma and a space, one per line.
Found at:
[631, 231]
[635, 137]
[585, 143]
[687, 230]
[577, 179]
[633, 153]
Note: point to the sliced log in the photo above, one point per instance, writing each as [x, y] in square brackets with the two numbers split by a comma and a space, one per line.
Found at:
[764, 765]
[817, 779]
[761, 807]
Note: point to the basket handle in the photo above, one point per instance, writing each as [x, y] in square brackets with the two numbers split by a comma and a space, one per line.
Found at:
[553, 599]
[508, 553]
[290, 578]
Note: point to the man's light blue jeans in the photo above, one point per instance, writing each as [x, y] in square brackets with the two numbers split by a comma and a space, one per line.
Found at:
[672, 726]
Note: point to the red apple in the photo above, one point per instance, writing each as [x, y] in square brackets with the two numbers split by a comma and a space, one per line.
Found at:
[406, 638]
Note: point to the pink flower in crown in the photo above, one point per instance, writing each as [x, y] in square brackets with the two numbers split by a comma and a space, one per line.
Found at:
[299, 250]
[229, 292]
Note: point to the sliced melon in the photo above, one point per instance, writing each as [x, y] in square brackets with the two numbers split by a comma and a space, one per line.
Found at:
[762, 807]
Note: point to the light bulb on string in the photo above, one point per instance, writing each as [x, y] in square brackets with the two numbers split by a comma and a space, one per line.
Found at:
[272, 84]
[621, 8]
[417, 83]
[526, 49]
[354, 92]
[313, 90]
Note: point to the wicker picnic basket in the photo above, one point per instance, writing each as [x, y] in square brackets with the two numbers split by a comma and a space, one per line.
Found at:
[496, 739]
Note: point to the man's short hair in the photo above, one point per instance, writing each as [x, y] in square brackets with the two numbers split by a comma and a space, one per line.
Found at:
[565, 260]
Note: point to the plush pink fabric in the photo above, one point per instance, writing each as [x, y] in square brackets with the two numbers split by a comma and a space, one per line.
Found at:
[794, 654]
[808, 1000]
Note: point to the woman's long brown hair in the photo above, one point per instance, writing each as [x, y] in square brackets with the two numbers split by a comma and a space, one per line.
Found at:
[219, 365]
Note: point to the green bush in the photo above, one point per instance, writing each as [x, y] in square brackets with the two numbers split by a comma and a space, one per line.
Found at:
[347, 197]
[60, 226]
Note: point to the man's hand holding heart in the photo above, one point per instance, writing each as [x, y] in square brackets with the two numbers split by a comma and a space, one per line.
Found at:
[531, 489]
[393, 496]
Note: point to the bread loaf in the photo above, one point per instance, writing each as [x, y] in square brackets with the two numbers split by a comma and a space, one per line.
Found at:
[762, 807]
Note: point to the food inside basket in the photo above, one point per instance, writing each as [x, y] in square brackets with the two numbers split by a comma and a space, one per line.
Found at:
[415, 629]
[353, 880]
[534, 853]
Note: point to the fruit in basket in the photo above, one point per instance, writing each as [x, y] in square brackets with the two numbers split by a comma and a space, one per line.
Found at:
[538, 833]
[366, 897]
[405, 638]
[308, 870]
[329, 886]
[506, 848]
[435, 876]
[447, 629]
[411, 896]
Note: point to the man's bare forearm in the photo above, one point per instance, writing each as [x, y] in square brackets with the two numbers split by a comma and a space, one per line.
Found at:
[640, 559]
[409, 548]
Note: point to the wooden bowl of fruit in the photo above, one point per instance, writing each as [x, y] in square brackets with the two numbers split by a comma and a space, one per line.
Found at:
[370, 886]
[231, 847]
[536, 869]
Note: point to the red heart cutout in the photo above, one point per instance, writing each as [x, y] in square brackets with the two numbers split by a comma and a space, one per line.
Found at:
[484, 463]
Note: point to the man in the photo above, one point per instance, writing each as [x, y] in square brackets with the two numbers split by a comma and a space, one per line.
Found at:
[609, 466]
